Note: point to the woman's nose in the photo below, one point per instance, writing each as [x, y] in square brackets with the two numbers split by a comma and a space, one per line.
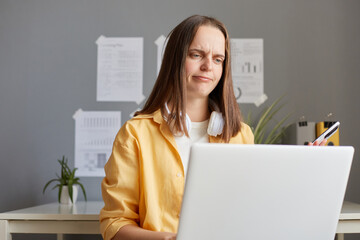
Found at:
[206, 65]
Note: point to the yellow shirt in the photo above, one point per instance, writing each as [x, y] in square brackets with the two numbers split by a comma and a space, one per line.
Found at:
[144, 181]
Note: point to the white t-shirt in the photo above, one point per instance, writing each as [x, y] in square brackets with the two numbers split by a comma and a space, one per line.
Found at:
[198, 134]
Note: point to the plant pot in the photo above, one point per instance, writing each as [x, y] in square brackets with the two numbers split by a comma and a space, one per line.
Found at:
[65, 197]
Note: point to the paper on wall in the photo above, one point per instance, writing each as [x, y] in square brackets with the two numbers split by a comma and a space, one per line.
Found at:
[94, 136]
[247, 63]
[131, 115]
[120, 69]
[160, 42]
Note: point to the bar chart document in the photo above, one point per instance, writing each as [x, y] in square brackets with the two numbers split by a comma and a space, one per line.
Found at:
[94, 136]
[247, 69]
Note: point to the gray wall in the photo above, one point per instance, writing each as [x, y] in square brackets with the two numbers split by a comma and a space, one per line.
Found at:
[48, 71]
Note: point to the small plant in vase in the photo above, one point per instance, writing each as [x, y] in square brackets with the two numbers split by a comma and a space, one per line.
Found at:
[260, 128]
[67, 181]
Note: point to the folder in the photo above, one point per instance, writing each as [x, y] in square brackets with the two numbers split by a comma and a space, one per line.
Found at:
[300, 133]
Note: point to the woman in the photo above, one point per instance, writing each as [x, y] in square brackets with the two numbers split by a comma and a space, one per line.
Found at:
[192, 101]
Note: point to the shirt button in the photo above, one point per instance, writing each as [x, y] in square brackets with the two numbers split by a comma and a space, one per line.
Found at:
[178, 174]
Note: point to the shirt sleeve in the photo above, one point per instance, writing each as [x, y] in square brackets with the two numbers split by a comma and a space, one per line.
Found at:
[248, 134]
[120, 187]
[245, 136]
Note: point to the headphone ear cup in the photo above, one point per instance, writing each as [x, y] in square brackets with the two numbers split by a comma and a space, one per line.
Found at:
[216, 124]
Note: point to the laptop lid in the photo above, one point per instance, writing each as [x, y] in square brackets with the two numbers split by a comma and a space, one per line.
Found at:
[259, 192]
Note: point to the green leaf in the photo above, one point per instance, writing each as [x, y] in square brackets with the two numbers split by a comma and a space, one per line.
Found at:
[57, 185]
[260, 129]
[73, 174]
[265, 117]
[63, 181]
[277, 128]
[83, 190]
[249, 119]
[47, 184]
[70, 191]
[60, 190]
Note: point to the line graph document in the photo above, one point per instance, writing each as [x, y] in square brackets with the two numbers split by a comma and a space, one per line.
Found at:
[247, 56]
[120, 69]
[95, 132]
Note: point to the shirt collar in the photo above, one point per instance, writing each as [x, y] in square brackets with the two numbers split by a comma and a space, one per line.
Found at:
[158, 117]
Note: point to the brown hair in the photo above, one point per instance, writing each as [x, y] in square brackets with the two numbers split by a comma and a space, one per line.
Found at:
[170, 86]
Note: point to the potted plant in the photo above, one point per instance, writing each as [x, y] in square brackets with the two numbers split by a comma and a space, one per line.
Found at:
[260, 128]
[67, 183]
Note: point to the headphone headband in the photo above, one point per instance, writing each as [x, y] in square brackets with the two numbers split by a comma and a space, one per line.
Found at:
[216, 122]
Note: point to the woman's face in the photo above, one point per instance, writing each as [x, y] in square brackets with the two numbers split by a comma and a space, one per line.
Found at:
[204, 62]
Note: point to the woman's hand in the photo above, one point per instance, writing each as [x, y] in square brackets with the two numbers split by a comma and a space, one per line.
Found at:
[316, 143]
[132, 232]
[168, 236]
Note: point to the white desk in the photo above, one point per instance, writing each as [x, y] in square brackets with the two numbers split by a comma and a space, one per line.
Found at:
[349, 220]
[83, 218]
[53, 218]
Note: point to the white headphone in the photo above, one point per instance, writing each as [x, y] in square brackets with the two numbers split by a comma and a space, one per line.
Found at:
[216, 122]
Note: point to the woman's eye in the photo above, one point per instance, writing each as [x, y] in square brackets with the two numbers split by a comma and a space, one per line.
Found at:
[195, 55]
[218, 60]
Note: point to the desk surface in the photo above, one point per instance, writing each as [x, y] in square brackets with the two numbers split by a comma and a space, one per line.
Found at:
[83, 218]
[349, 211]
[90, 211]
[55, 211]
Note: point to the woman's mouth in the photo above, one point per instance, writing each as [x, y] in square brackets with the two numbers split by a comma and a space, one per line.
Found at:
[203, 78]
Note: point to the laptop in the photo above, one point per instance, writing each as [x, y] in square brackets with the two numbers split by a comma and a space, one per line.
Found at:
[258, 192]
